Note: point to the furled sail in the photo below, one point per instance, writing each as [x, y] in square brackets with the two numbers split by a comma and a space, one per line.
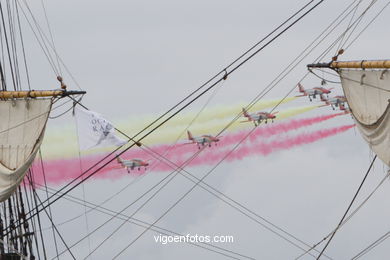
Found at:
[22, 126]
[366, 86]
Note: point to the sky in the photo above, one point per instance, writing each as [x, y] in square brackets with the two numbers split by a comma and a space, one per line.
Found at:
[136, 59]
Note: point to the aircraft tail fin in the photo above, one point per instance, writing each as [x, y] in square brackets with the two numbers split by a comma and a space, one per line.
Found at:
[190, 137]
[323, 98]
[119, 159]
[245, 113]
[301, 88]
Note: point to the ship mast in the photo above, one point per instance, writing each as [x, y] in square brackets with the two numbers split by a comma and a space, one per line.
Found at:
[23, 109]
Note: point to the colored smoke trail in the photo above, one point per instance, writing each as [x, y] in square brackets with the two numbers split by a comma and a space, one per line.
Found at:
[265, 131]
[60, 171]
[63, 143]
[265, 149]
[281, 128]
[288, 142]
[209, 114]
[168, 135]
[293, 112]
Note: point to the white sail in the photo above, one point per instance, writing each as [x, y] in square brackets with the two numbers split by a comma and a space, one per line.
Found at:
[22, 126]
[368, 95]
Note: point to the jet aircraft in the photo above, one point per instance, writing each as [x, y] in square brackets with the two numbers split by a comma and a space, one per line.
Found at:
[131, 164]
[313, 92]
[334, 101]
[258, 117]
[202, 140]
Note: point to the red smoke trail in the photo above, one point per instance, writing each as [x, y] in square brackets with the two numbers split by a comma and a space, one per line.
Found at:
[64, 170]
[280, 128]
[265, 149]
[263, 132]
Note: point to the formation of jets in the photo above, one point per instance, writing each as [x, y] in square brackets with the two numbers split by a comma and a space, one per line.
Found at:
[336, 101]
[256, 118]
[201, 141]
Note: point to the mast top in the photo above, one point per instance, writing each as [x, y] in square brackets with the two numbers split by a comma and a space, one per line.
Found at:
[363, 64]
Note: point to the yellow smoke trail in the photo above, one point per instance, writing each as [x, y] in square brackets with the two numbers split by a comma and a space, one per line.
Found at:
[211, 113]
[294, 111]
[169, 135]
[57, 145]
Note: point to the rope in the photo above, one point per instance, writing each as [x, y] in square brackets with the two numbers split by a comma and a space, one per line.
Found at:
[7, 45]
[373, 245]
[134, 240]
[350, 21]
[152, 196]
[47, 195]
[23, 49]
[83, 189]
[31, 180]
[42, 45]
[51, 36]
[186, 105]
[363, 30]
[220, 195]
[157, 229]
[33, 221]
[350, 216]
[349, 207]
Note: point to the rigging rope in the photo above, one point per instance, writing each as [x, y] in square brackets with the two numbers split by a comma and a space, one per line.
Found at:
[176, 174]
[42, 37]
[350, 216]
[141, 223]
[42, 45]
[349, 207]
[372, 245]
[30, 178]
[7, 45]
[47, 196]
[31, 181]
[372, 20]
[184, 106]
[51, 36]
[141, 234]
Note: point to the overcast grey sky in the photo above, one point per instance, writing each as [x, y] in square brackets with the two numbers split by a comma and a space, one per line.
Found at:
[137, 58]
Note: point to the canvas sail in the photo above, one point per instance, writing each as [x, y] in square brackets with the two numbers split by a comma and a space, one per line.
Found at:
[22, 126]
[368, 94]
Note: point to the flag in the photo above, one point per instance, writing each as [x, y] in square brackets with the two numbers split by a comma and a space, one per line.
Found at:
[94, 130]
